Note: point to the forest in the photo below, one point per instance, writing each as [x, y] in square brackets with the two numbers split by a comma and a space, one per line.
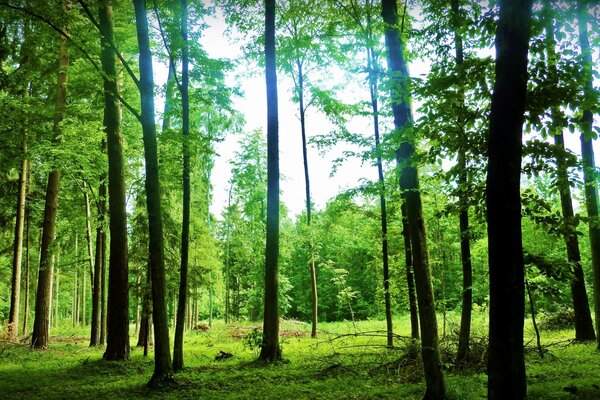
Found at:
[319, 199]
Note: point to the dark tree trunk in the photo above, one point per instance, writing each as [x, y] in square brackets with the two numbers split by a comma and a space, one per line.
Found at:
[587, 151]
[465, 238]
[409, 184]
[117, 318]
[584, 327]
[270, 350]
[98, 260]
[185, 225]
[88, 235]
[162, 357]
[39, 337]
[27, 273]
[371, 57]
[312, 269]
[506, 366]
[103, 293]
[15, 293]
[410, 279]
[145, 334]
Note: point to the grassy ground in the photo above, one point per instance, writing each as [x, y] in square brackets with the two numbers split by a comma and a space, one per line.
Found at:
[337, 365]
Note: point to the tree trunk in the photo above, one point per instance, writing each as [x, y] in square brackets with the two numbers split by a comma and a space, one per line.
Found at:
[98, 261]
[13, 316]
[383, 209]
[312, 269]
[75, 304]
[587, 152]
[39, 337]
[162, 356]
[185, 225]
[27, 274]
[410, 280]
[145, 336]
[409, 184]
[117, 317]
[88, 235]
[584, 326]
[506, 366]
[270, 350]
[463, 217]
[103, 293]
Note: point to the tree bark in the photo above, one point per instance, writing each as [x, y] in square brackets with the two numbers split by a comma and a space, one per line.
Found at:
[145, 334]
[270, 350]
[587, 152]
[39, 337]
[409, 184]
[373, 88]
[98, 261]
[103, 293]
[162, 357]
[117, 317]
[13, 316]
[410, 279]
[463, 217]
[506, 366]
[88, 235]
[312, 269]
[27, 273]
[185, 225]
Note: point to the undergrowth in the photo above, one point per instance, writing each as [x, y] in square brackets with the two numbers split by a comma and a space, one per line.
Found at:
[344, 362]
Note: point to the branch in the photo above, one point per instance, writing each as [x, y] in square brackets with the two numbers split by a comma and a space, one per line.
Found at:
[164, 39]
[81, 49]
[111, 43]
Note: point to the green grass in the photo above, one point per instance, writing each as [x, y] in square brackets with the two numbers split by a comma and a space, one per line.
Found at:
[335, 366]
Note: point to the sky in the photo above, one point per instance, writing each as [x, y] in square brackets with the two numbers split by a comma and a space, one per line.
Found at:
[253, 105]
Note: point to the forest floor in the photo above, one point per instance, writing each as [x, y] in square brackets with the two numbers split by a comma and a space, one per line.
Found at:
[347, 361]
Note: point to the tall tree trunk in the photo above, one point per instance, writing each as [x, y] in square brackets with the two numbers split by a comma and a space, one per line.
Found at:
[83, 297]
[13, 316]
[117, 317]
[584, 326]
[410, 279]
[185, 224]
[145, 334]
[463, 217]
[409, 184]
[162, 356]
[587, 151]
[39, 337]
[103, 293]
[506, 366]
[27, 273]
[57, 287]
[98, 260]
[312, 269]
[383, 209]
[88, 234]
[270, 350]
[75, 304]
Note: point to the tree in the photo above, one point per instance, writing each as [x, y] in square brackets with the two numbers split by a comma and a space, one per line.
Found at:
[117, 317]
[584, 328]
[13, 316]
[270, 350]
[185, 225]
[409, 184]
[506, 365]
[162, 356]
[465, 243]
[587, 151]
[39, 337]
